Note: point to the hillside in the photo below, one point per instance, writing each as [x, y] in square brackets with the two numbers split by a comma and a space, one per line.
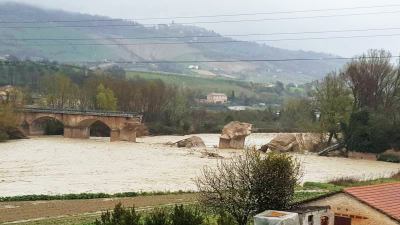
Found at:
[97, 48]
[199, 84]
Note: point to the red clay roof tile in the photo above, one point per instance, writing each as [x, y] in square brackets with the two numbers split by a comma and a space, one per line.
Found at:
[383, 197]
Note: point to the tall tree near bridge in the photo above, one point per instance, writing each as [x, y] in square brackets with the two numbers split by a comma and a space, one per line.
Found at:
[105, 99]
[60, 91]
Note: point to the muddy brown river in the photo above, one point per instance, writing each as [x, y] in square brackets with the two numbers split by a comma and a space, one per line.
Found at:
[54, 165]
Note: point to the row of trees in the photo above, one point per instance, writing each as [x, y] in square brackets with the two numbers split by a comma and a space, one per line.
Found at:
[160, 103]
[167, 108]
[362, 101]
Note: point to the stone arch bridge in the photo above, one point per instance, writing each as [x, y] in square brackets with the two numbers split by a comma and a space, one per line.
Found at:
[77, 123]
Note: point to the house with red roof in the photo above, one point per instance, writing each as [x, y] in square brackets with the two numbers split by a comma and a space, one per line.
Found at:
[366, 205]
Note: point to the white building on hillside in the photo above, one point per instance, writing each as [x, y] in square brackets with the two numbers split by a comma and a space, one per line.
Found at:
[217, 98]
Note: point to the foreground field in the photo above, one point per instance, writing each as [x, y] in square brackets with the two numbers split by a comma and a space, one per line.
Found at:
[74, 211]
[54, 165]
[84, 211]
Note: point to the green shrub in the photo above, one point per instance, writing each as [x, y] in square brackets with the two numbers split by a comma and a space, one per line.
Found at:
[226, 219]
[344, 181]
[3, 136]
[179, 215]
[119, 216]
[389, 158]
[83, 196]
[249, 184]
[186, 216]
[371, 132]
[157, 217]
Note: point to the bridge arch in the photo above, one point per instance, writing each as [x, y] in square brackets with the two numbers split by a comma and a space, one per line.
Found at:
[45, 125]
[87, 122]
[96, 127]
[77, 124]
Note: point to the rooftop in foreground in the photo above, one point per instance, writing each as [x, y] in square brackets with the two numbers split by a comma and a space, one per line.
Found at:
[383, 197]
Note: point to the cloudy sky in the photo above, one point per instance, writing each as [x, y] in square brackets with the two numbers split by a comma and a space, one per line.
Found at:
[387, 18]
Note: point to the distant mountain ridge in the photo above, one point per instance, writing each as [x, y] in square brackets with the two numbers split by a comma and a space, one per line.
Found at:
[101, 49]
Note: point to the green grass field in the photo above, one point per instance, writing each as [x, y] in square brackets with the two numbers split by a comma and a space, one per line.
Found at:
[205, 85]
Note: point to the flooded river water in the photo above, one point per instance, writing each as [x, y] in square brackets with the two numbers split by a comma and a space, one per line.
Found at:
[54, 165]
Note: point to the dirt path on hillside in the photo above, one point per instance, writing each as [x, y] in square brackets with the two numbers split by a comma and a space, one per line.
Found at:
[28, 210]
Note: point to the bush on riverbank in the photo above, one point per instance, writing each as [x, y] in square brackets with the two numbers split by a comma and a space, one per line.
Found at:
[371, 133]
[389, 158]
[3, 135]
[8, 121]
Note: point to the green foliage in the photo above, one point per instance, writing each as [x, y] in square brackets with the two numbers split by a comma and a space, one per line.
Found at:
[119, 216]
[370, 132]
[375, 84]
[3, 135]
[343, 182]
[226, 219]
[239, 92]
[250, 184]
[8, 121]
[303, 196]
[180, 215]
[60, 91]
[105, 99]
[298, 113]
[83, 196]
[185, 215]
[320, 186]
[334, 102]
[157, 217]
[389, 158]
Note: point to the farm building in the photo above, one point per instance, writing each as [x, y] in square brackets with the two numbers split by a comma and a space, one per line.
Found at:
[217, 98]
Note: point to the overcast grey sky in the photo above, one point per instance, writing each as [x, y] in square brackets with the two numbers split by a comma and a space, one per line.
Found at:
[131, 9]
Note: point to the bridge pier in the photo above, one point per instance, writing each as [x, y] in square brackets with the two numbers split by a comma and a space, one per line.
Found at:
[115, 135]
[77, 132]
[128, 133]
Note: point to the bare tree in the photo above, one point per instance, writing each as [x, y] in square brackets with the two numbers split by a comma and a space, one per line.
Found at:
[249, 184]
[373, 80]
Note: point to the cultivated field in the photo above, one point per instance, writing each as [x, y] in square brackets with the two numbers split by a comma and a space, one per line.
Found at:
[31, 211]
